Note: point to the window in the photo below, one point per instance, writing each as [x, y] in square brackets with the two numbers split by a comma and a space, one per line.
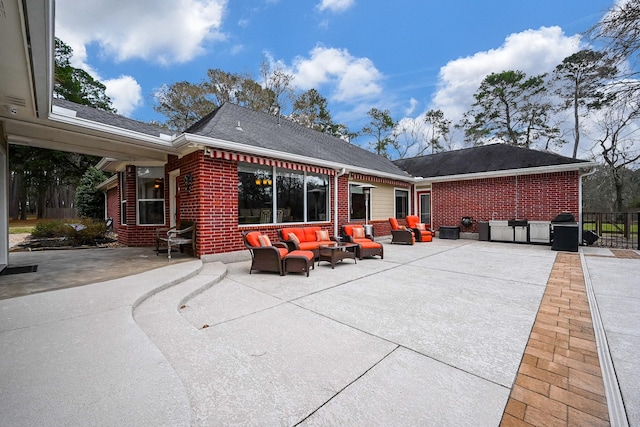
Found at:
[425, 208]
[269, 195]
[290, 196]
[317, 197]
[150, 192]
[358, 203]
[123, 198]
[401, 203]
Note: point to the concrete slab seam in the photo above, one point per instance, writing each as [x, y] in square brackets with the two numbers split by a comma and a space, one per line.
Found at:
[615, 403]
[347, 386]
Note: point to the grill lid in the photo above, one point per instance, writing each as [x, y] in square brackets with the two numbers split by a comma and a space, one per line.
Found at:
[564, 217]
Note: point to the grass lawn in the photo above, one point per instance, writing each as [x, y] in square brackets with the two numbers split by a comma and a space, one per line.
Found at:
[22, 226]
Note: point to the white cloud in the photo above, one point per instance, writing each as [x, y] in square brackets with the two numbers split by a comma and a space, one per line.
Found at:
[413, 103]
[162, 31]
[353, 78]
[532, 51]
[335, 5]
[125, 94]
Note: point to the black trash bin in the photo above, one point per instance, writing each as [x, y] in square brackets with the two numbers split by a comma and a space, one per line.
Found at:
[564, 233]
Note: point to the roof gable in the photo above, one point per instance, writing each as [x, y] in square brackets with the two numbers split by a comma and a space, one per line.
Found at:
[482, 159]
[241, 125]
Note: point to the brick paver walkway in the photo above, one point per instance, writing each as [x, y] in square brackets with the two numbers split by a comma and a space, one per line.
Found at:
[559, 382]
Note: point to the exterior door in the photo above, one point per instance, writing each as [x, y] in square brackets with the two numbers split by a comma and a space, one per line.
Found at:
[425, 208]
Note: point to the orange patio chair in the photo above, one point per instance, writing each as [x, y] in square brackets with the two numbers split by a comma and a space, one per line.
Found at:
[422, 232]
[400, 234]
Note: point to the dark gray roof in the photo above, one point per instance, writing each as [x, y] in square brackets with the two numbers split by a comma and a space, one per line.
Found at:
[486, 158]
[266, 131]
[112, 119]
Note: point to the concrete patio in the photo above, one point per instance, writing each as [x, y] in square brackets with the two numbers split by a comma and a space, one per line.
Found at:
[434, 334]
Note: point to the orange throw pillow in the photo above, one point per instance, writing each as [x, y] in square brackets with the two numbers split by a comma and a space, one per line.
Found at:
[264, 240]
[322, 235]
[358, 233]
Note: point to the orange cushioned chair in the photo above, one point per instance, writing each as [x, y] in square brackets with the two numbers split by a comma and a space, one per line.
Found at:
[366, 246]
[265, 255]
[422, 231]
[400, 234]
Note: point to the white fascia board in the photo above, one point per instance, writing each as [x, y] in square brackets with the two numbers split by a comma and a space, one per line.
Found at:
[214, 143]
[108, 183]
[148, 141]
[510, 172]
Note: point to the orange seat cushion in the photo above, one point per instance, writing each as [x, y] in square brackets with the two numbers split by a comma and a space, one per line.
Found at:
[299, 253]
[369, 244]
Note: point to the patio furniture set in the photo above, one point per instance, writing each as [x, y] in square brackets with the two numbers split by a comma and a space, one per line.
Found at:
[414, 231]
[300, 247]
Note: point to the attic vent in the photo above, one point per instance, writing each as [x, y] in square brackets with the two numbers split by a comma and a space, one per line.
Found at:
[14, 100]
[239, 127]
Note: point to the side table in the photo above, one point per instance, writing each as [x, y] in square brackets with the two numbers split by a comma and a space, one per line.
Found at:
[336, 253]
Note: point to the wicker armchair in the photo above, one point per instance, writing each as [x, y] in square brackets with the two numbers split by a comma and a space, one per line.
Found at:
[422, 231]
[265, 258]
[181, 236]
[401, 235]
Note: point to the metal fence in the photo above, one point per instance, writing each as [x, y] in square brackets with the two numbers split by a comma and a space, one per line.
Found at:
[613, 230]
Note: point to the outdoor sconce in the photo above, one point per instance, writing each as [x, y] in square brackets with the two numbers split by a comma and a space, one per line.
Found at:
[188, 182]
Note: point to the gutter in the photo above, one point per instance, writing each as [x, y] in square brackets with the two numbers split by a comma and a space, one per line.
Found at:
[588, 172]
[335, 199]
[509, 172]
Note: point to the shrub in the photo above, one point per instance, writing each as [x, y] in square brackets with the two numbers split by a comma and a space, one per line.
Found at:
[93, 230]
[89, 201]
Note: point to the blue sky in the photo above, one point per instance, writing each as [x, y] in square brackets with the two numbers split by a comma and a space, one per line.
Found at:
[404, 56]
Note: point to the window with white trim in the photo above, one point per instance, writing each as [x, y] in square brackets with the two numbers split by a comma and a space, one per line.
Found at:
[150, 195]
[401, 203]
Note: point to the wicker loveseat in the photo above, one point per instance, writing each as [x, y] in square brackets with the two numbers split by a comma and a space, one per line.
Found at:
[307, 238]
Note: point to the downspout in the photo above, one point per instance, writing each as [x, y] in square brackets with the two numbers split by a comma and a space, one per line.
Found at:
[583, 175]
[335, 199]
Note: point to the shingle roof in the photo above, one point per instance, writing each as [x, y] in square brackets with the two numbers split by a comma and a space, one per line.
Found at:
[486, 158]
[266, 131]
[108, 118]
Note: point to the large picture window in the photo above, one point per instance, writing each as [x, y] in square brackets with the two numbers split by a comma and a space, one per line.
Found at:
[269, 195]
[401, 203]
[150, 194]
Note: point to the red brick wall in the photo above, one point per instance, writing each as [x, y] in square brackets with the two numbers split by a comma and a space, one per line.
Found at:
[535, 197]
[132, 234]
[113, 207]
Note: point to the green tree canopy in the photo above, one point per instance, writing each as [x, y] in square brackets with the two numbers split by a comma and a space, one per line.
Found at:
[381, 128]
[581, 80]
[512, 108]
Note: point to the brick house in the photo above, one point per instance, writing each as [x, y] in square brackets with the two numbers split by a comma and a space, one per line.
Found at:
[237, 169]
[495, 181]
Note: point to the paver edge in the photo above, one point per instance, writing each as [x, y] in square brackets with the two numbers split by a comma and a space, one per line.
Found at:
[615, 404]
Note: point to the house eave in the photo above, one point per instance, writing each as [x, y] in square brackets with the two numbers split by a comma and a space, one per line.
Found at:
[185, 143]
[509, 172]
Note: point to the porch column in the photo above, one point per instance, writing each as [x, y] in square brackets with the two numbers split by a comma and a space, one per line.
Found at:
[4, 200]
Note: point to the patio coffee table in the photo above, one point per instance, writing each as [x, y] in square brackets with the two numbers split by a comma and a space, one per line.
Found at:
[336, 253]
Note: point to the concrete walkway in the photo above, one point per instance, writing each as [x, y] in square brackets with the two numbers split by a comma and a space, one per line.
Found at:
[434, 334]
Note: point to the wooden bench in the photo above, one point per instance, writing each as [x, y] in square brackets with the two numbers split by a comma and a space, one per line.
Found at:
[168, 237]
